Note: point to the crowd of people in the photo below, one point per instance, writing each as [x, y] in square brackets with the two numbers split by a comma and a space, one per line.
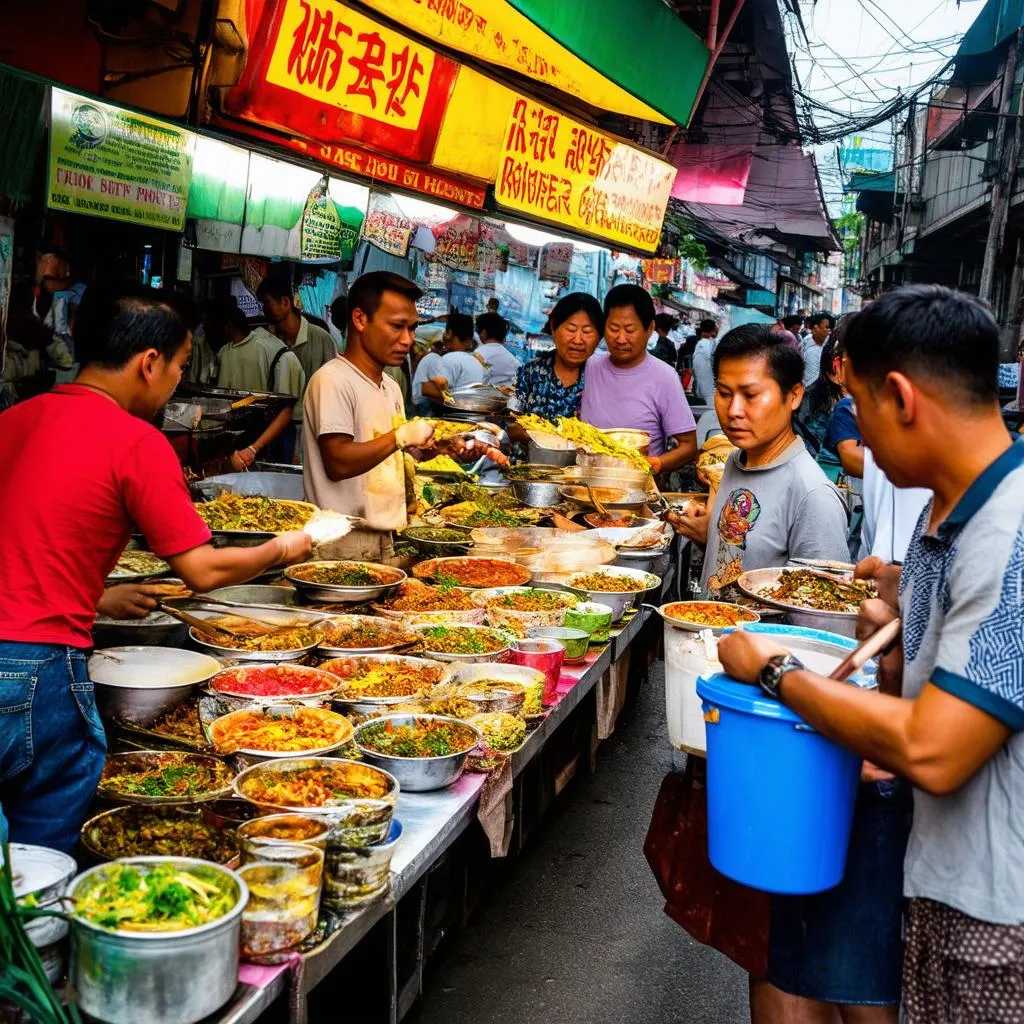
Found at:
[901, 396]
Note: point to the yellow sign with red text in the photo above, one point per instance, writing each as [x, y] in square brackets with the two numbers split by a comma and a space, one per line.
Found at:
[494, 31]
[328, 52]
[568, 173]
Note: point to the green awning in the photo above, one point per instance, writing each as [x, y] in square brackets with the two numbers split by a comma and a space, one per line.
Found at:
[642, 46]
[998, 20]
[865, 181]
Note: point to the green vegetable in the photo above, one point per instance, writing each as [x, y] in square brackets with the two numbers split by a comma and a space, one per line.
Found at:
[23, 980]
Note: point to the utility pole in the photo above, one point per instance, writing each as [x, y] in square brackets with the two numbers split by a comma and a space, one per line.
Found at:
[1008, 155]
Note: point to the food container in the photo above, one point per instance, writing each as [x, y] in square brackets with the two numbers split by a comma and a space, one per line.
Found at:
[594, 617]
[698, 615]
[523, 693]
[620, 601]
[632, 500]
[179, 977]
[538, 473]
[256, 594]
[546, 656]
[575, 641]
[519, 621]
[410, 620]
[139, 684]
[340, 593]
[439, 568]
[156, 629]
[339, 726]
[362, 803]
[284, 881]
[299, 684]
[638, 440]
[540, 456]
[755, 582]
[218, 846]
[272, 829]
[347, 701]
[421, 539]
[498, 654]
[263, 657]
[228, 813]
[139, 762]
[607, 471]
[358, 874]
[334, 649]
[418, 774]
[41, 875]
[537, 493]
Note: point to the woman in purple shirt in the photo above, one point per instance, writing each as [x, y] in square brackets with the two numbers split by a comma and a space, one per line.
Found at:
[630, 388]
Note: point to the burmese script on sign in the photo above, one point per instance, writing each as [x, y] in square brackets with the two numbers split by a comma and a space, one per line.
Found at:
[556, 168]
[115, 163]
[331, 53]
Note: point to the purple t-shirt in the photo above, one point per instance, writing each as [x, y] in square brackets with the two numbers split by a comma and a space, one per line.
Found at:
[648, 397]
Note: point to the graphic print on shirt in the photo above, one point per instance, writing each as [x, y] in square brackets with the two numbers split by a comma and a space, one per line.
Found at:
[738, 516]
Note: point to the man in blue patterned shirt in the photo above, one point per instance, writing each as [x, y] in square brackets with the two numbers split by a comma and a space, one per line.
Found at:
[921, 364]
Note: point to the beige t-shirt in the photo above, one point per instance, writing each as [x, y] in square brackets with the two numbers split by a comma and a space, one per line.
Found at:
[341, 399]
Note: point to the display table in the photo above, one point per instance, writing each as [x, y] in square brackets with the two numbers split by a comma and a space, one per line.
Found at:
[432, 822]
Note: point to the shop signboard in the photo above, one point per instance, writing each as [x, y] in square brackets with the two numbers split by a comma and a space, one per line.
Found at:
[557, 169]
[110, 162]
[323, 71]
[661, 271]
[385, 227]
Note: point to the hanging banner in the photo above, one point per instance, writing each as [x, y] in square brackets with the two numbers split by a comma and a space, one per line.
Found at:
[109, 162]
[455, 243]
[6, 263]
[555, 261]
[325, 71]
[566, 172]
[385, 227]
[321, 226]
[661, 271]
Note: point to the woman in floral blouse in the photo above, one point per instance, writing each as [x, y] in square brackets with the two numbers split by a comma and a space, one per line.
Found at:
[552, 384]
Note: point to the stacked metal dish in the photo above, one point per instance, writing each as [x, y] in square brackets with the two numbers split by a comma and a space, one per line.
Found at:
[389, 577]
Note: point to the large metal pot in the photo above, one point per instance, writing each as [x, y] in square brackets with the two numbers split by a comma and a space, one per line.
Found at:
[166, 977]
[537, 493]
[539, 456]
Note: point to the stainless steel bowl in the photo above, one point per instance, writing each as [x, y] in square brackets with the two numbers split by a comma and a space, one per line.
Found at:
[537, 493]
[264, 657]
[418, 774]
[755, 582]
[327, 592]
[173, 977]
[157, 629]
[256, 594]
[138, 684]
[499, 655]
[550, 456]
[373, 705]
[620, 601]
[617, 498]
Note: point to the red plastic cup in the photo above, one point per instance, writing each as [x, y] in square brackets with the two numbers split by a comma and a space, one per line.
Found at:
[545, 655]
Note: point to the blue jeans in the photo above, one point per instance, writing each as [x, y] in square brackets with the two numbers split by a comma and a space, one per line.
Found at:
[52, 744]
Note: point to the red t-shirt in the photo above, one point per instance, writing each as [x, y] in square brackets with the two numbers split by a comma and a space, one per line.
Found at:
[77, 474]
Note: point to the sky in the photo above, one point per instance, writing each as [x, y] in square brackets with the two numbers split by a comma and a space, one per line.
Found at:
[860, 53]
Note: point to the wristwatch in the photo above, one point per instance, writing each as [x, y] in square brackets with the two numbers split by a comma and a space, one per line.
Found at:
[771, 675]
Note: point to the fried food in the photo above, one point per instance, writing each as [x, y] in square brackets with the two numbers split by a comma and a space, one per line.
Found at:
[254, 514]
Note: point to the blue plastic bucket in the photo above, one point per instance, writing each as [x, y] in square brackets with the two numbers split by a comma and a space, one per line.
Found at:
[780, 796]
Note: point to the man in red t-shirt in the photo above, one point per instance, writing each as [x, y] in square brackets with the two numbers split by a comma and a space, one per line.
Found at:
[81, 467]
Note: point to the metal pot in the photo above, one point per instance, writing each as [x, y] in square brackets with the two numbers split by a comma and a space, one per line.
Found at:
[539, 456]
[171, 977]
[537, 493]
[256, 594]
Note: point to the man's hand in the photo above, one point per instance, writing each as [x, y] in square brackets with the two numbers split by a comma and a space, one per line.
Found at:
[414, 434]
[884, 575]
[242, 460]
[654, 461]
[693, 523]
[128, 601]
[295, 545]
[744, 654]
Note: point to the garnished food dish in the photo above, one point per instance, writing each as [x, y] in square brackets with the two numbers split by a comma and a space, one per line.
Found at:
[134, 563]
[254, 514]
[182, 723]
[473, 572]
[713, 614]
[162, 897]
[316, 783]
[250, 638]
[300, 730]
[345, 574]
[425, 737]
[500, 695]
[368, 678]
[163, 774]
[473, 513]
[585, 436]
[533, 600]
[807, 589]
[360, 632]
[436, 535]
[442, 464]
[462, 640]
[419, 597]
[502, 732]
[441, 701]
[157, 832]
[274, 681]
[607, 582]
